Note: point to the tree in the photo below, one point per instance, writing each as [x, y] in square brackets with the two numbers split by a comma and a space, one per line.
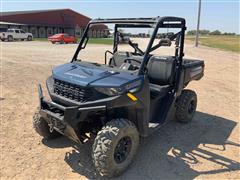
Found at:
[216, 32]
[204, 32]
[191, 32]
[230, 34]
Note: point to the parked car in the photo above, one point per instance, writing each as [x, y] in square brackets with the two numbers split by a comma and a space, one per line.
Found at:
[62, 38]
[131, 95]
[16, 34]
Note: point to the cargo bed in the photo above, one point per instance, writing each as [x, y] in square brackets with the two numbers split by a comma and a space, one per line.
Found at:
[193, 70]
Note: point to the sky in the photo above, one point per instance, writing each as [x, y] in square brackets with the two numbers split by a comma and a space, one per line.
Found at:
[215, 14]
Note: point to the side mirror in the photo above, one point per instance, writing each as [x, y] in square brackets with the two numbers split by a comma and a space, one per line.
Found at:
[165, 42]
[124, 39]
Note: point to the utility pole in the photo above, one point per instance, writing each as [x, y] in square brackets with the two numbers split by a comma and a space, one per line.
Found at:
[198, 24]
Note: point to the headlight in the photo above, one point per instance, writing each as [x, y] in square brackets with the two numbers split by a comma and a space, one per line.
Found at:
[114, 91]
[110, 91]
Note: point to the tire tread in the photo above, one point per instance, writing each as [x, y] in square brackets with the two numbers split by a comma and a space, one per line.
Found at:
[182, 102]
[103, 144]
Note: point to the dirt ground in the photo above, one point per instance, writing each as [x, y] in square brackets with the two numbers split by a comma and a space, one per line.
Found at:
[207, 148]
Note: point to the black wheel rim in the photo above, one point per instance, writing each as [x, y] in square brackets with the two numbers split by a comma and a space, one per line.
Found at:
[122, 149]
[191, 107]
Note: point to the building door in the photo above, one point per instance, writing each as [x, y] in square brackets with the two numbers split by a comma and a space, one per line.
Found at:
[42, 32]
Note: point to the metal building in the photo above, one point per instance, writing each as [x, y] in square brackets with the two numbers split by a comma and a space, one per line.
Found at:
[44, 23]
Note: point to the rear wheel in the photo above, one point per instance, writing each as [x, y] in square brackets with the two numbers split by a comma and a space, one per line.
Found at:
[186, 106]
[29, 38]
[115, 147]
[61, 42]
[42, 128]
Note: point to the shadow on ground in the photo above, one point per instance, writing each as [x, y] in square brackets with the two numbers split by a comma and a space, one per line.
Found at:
[168, 153]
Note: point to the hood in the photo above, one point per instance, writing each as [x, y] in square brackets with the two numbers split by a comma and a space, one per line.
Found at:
[87, 74]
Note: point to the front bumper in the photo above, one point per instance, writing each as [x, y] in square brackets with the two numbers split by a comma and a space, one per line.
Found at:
[65, 119]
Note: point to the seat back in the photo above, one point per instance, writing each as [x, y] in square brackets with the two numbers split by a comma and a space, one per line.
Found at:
[119, 57]
[160, 70]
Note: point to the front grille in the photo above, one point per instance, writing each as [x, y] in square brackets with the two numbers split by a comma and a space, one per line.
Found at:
[71, 91]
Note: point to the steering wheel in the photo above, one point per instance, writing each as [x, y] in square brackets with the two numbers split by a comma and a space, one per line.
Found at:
[130, 59]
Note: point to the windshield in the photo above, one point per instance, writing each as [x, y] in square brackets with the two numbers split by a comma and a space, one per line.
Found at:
[132, 40]
[128, 44]
[57, 35]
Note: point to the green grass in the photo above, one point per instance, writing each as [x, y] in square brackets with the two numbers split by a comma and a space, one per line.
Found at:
[40, 39]
[229, 43]
[105, 41]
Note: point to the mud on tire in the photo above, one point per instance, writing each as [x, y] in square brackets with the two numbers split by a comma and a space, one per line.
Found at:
[42, 128]
[186, 106]
[118, 135]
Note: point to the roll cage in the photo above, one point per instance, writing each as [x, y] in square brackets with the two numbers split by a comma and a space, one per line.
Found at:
[156, 23]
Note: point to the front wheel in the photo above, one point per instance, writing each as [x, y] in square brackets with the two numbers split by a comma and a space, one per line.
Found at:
[186, 106]
[42, 128]
[115, 147]
[10, 38]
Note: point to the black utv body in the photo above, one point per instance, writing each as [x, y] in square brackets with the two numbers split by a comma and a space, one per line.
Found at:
[116, 102]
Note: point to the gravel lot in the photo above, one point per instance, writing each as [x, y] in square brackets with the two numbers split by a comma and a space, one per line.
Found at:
[206, 148]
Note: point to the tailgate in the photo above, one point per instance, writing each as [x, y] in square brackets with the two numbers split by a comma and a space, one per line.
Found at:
[193, 70]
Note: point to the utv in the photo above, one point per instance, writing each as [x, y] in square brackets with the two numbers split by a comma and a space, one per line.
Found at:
[130, 96]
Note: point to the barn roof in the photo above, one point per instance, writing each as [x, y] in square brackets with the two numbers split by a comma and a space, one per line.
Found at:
[54, 17]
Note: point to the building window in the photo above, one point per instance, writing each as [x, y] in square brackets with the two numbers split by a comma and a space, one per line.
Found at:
[25, 29]
[33, 31]
[41, 31]
[94, 33]
[90, 33]
[102, 34]
[98, 33]
[49, 31]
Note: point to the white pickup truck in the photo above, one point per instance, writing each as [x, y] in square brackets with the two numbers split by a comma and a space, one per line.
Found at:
[15, 34]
